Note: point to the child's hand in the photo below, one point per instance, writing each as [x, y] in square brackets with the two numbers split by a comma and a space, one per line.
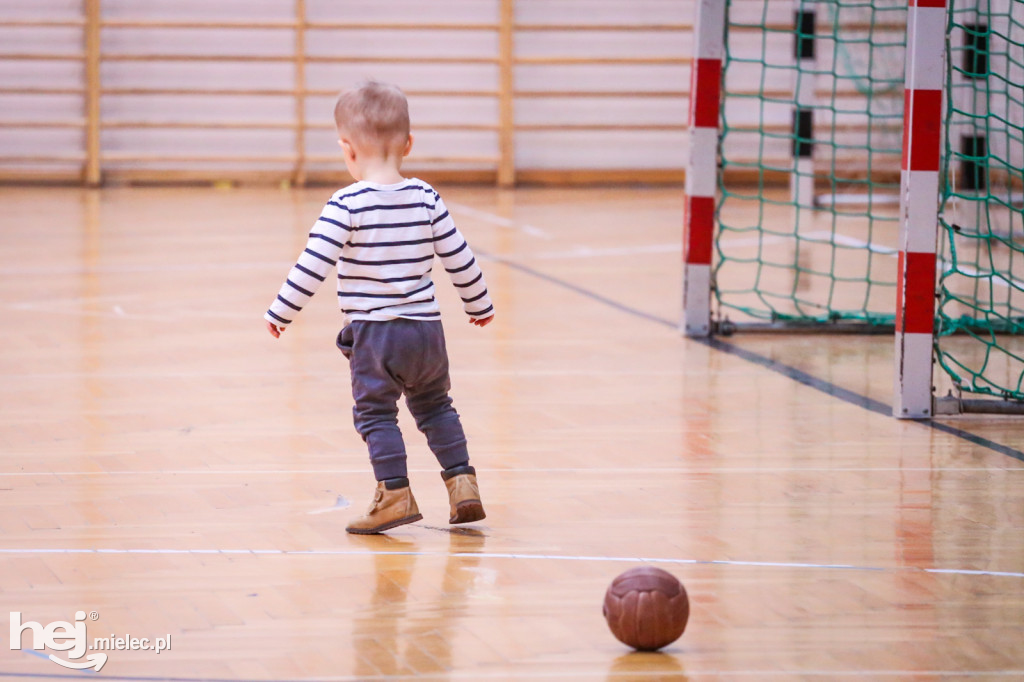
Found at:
[274, 330]
[481, 321]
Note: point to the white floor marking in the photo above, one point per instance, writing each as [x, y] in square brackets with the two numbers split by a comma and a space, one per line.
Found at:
[509, 555]
[652, 471]
[587, 252]
[824, 237]
[498, 220]
[50, 271]
[754, 241]
[173, 316]
[340, 503]
[76, 300]
[996, 278]
[816, 237]
[185, 374]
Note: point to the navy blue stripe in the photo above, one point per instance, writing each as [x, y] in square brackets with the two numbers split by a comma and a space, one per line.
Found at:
[439, 218]
[391, 226]
[317, 235]
[288, 303]
[785, 370]
[278, 317]
[304, 269]
[386, 280]
[355, 194]
[421, 314]
[471, 282]
[400, 261]
[411, 242]
[393, 207]
[374, 189]
[348, 311]
[467, 266]
[481, 312]
[475, 298]
[322, 257]
[444, 236]
[362, 295]
[335, 222]
[452, 253]
[295, 286]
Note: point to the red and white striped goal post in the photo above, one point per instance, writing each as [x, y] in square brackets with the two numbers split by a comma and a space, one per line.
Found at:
[919, 197]
[702, 167]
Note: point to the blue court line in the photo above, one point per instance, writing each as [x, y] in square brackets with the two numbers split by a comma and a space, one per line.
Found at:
[46, 657]
[853, 398]
[123, 678]
[793, 373]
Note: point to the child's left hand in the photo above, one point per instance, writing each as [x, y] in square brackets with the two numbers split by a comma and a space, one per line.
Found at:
[481, 321]
[274, 330]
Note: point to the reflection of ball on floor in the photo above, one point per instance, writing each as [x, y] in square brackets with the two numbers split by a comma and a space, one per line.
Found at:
[646, 608]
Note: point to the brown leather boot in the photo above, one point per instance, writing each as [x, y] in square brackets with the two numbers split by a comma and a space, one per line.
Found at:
[393, 505]
[463, 494]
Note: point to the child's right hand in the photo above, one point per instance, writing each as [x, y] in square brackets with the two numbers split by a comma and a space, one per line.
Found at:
[274, 330]
[481, 321]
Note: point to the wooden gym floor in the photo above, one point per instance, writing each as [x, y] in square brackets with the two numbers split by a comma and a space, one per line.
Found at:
[172, 469]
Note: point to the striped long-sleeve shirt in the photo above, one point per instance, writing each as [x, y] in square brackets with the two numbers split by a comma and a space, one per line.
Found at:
[383, 239]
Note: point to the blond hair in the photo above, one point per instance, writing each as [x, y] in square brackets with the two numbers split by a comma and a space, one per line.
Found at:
[373, 114]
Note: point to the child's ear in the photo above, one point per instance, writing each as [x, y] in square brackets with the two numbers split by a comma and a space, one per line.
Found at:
[347, 150]
[408, 146]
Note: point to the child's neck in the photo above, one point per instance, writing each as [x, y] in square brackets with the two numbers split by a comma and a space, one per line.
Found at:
[381, 172]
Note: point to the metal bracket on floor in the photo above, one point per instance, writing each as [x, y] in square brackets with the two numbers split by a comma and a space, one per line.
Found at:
[952, 404]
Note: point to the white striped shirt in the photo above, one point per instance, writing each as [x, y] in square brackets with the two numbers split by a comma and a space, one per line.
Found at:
[383, 239]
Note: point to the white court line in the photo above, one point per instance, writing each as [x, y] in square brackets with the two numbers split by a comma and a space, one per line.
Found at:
[507, 555]
[50, 271]
[498, 220]
[997, 278]
[173, 316]
[590, 674]
[754, 241]
[311, 375]
[823, 237]
[684, 674]
[76, 300]
[816, 237]
[49, 310]
[500, 470]
[587, 252]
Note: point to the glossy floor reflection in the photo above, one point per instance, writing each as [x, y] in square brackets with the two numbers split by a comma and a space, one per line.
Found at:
[170, 466]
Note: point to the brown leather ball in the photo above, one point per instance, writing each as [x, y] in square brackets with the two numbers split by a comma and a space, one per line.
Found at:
[646, 608]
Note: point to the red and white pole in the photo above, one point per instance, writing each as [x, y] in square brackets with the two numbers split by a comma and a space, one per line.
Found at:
[702, 168]
[919, 206]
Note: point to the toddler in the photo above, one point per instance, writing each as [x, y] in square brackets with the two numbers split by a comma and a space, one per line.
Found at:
[382, 233]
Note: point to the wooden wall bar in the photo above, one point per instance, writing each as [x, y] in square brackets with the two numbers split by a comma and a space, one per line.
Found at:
[503, 91]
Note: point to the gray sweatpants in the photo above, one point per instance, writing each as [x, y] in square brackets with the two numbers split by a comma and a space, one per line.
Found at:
[388, 359]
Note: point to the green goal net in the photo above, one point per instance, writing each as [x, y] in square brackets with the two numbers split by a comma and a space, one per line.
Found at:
[980, 340]
[811, 145]
[823, 253]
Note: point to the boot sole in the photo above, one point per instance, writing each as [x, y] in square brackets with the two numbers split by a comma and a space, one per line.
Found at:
[385, 526]
[468, 511]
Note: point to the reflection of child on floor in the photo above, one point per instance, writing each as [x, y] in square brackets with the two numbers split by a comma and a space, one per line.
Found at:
[383, 233]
